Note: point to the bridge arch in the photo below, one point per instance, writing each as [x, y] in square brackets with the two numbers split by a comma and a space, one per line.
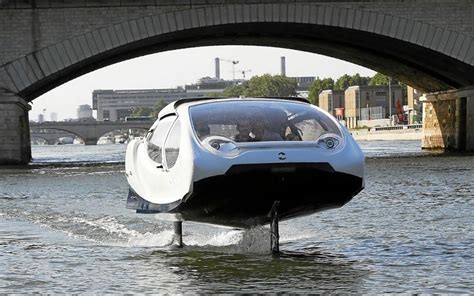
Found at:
[48, 141]
[145, 129]
[90, 132]
[427, 57]
[62, 129]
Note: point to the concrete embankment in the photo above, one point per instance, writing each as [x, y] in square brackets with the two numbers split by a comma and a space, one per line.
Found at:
[365, 135]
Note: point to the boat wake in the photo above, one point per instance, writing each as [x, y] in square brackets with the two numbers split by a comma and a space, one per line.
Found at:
[147, 232]
[120, 231]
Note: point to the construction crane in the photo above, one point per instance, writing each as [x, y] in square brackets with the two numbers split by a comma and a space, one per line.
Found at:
[245, 72]
[234, 62]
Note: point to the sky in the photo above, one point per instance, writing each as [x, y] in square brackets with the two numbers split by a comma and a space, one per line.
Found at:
[185, 66]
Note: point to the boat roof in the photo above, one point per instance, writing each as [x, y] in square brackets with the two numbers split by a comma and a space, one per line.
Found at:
[171, 107]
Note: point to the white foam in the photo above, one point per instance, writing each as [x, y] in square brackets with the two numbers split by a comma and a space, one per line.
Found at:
[162, 239]
[108, 224]
[223, 238]
[133, 237]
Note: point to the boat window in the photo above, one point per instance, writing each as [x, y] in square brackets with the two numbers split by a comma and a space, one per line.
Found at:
[261, 120]
[155, 144]
[172, 144]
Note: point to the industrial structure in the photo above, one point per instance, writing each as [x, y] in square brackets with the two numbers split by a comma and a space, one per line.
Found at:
[361, 103]
[366, 97]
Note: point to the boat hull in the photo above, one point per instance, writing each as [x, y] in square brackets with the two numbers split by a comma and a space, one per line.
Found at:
[244, 195]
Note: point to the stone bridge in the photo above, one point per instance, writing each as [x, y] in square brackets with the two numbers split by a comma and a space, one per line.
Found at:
[90, 132]
[426, 44]
[50, 136]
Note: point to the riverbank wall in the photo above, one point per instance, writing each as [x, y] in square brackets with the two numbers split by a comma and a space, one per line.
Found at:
[387, 135]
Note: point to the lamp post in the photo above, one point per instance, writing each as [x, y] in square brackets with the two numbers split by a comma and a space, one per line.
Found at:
[358, 118]
[390, 99]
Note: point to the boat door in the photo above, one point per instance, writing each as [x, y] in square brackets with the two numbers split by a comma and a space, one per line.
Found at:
[153, 173]
[168, 183]
[178, 175]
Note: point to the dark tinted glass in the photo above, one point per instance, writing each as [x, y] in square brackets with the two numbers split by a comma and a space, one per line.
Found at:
[261, 120]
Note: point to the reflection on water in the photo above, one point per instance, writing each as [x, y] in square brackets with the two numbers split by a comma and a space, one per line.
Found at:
[65, 229]
[291, 272]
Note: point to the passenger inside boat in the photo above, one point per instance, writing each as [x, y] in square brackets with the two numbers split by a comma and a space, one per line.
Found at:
[261, 121]
[244, 128]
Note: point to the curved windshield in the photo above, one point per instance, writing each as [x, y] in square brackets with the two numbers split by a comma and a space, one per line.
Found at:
[261, 120]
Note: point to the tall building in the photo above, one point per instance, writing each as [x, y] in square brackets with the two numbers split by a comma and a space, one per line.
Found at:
[53, 116]
[365, 96]
[283, 66]
[84, 111]
[218, 68]
[40, 118]
[330, 99]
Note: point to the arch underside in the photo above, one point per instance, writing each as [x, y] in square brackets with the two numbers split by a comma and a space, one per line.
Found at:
[33, 136]
[417, 66]
[424, 56]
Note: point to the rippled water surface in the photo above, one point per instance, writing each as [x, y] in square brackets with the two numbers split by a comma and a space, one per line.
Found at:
[64, 229]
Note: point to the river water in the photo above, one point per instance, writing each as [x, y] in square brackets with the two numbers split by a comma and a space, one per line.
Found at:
[65, 229]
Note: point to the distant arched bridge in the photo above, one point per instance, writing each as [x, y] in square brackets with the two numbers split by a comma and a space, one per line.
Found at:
[49, 136]
[428, 45]
[91, 131]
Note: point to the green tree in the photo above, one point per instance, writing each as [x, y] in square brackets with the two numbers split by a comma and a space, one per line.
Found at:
[342, 82]
[379, 79]
[356, 79]
[263, 86]
[346, 80]
[317, 87]
[270, 86]
[141, 111]
[235, 90]
[157, 108]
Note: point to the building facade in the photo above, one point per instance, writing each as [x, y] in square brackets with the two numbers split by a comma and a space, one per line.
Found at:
[415, 107]
[303, 85]
[365, 96]
[115, 105]
[84, 111]
[330, 100]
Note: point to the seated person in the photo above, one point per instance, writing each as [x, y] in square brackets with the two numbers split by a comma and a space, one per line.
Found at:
[271, 134]
[244, 129]
[202, 130]
[257, 133]
[274, 122]
[292, 135]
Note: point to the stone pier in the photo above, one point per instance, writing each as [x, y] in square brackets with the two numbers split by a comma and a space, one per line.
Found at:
[448, 120]
[15, 147]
